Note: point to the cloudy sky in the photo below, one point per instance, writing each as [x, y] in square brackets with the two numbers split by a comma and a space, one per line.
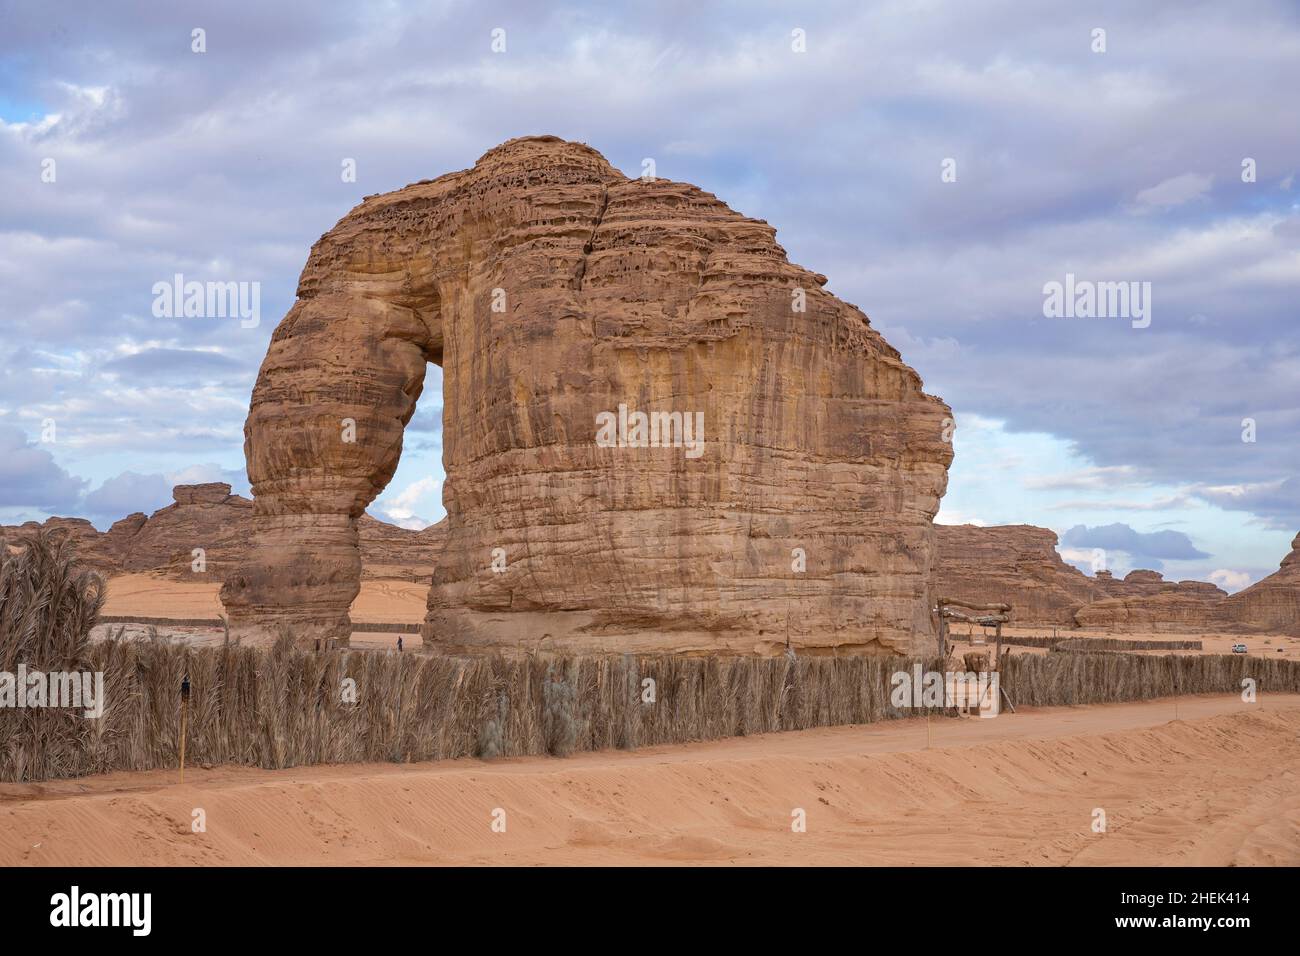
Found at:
[939, 161]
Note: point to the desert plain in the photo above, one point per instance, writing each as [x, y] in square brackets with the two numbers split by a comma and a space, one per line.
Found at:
[1205, 781]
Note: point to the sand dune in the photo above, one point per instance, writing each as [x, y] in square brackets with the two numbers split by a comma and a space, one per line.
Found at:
[1216, 786]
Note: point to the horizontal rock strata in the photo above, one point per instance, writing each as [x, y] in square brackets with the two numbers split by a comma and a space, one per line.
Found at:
[1011, 564]
[553, 290]
[1274, 602]
[1019, 565]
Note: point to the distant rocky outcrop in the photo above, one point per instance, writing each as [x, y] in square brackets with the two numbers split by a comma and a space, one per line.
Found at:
[399, 554]
[1145, 601]
[1175, 610]
[1274, 602]
[199, 536]
[1142, 582]
[94, 549]
[208, 519]
[1019, 565]
[1012, 564]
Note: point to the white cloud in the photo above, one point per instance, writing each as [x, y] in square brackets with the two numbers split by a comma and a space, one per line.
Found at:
[207, 473]
[1230, 580]
[401, 507]
[1093, 477]
[1162, 503]
[953, 516]
[1085, 559]
[1175, 191]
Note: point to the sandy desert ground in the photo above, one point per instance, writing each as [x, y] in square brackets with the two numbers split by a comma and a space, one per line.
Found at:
[1203, 780]
[153, 595]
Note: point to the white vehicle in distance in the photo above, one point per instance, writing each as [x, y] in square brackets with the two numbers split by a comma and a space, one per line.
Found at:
[1239, 648]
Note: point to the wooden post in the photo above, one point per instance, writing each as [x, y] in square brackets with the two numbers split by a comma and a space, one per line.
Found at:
[185, 706]
[943, 637]
[997, 649]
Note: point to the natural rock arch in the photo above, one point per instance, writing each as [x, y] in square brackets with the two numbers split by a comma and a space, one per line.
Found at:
[608, 291]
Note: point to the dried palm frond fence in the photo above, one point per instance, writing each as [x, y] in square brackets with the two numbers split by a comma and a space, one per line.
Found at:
[1102, 678]
[1067, 643]
[282, 706]
[1119, 644]
[48, 604]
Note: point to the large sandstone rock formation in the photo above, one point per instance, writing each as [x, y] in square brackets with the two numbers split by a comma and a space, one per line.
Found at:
[1011, 564]
[552, 289]
[1274, 602]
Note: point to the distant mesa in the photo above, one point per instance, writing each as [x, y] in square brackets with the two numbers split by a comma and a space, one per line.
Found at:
[210, 518]
[1019, 564]
[1273, 602]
